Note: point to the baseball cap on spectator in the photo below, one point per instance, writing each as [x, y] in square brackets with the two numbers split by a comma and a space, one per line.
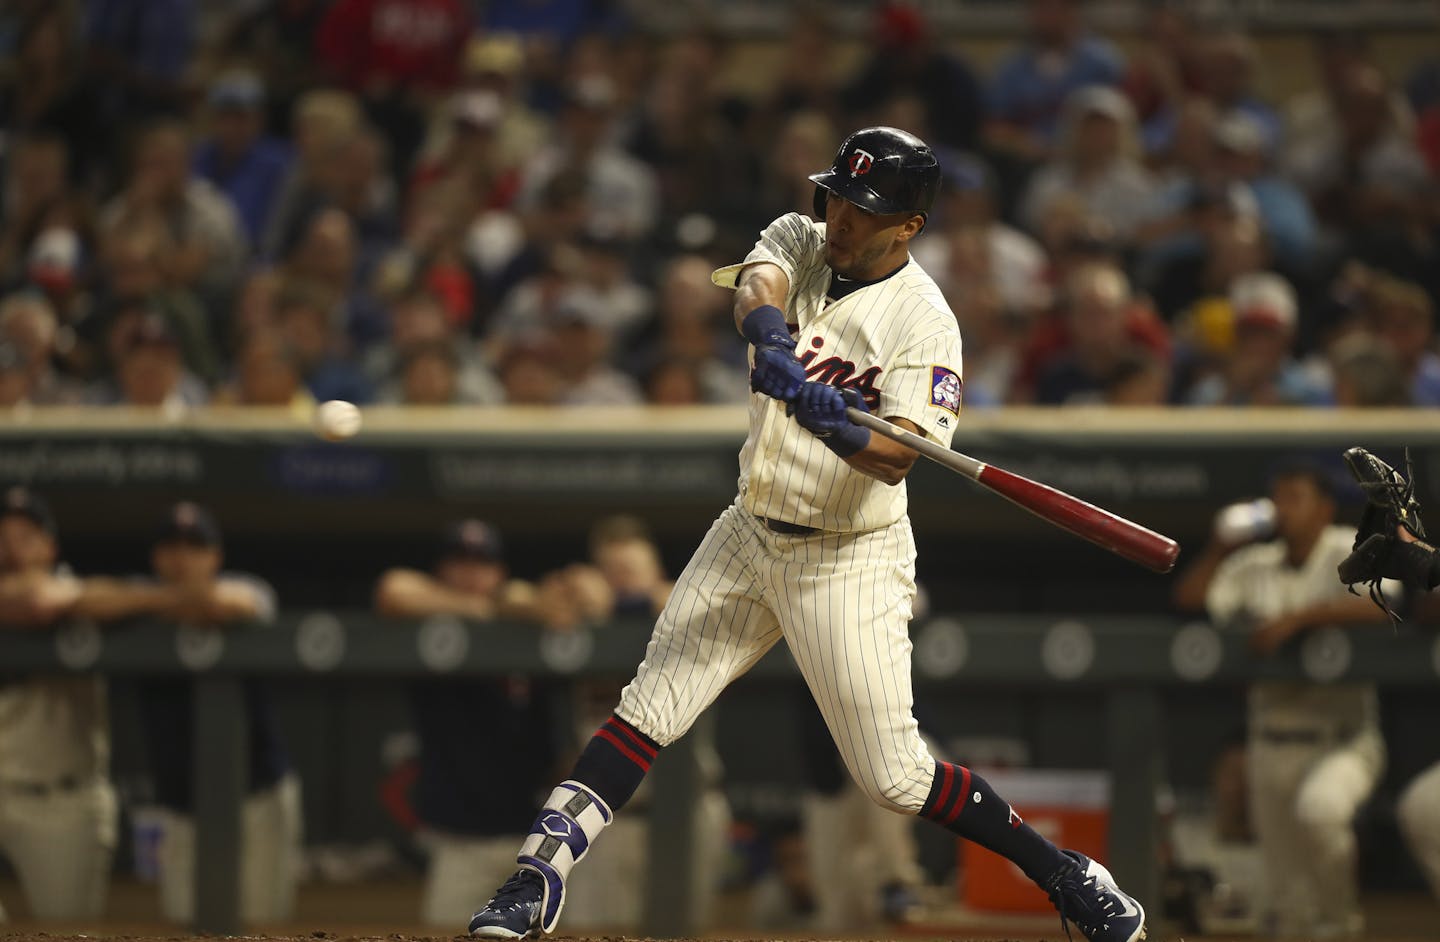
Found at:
[1101, 100]
[593, 91]
[578, 309]
[898, 25]
[1240, 132]
[54, 258]
[1263, 298]
[472, 539]
[476, 109]
[1235, 198]
[498, 54]
[191, 524]
[20, 501]
[1093, 239]
[237, 89]
[599, 237]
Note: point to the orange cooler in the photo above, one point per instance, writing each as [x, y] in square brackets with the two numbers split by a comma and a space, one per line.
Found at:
[1071, 808]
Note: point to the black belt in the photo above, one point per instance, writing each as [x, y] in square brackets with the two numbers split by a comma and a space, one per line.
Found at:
[789, 529]
[1295, 737]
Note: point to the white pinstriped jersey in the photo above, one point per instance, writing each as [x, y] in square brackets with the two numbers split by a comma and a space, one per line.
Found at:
[896, 341]
[1256, 584]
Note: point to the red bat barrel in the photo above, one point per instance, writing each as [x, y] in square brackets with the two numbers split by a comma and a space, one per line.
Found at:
[1116, 534]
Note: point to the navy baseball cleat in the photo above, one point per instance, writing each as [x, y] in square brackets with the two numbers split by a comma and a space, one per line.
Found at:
[514, 911]
[1086, 895]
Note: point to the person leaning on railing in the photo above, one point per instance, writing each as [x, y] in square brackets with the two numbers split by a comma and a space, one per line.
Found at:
[470, 817]
[57, 806]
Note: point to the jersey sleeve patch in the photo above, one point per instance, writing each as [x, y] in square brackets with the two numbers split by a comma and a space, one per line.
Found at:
[945, 389]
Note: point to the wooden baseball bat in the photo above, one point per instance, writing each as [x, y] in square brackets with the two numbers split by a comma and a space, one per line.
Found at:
[1114, 533]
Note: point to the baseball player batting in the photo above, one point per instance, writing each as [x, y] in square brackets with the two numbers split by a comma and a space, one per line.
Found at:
[817, 548]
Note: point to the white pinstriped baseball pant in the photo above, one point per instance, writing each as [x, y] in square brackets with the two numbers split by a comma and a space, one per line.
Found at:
[841, 601]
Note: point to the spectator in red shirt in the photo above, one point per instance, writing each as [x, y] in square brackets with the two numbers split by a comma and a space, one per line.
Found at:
[470, 156]
[1097, 323]
[398, 55]
[1427, 137]
[376, 46]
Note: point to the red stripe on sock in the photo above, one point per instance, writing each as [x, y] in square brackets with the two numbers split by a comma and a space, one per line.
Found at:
[945, 782]
[633, 735]
[960, 799]
[625, 750]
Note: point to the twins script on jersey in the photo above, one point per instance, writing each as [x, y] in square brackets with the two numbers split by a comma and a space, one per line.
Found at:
[895, 341]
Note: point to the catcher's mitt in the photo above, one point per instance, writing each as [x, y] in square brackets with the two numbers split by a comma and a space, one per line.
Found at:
[1379, 552]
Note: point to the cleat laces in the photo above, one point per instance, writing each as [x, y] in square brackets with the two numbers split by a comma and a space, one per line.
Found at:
[522, 889]
[1088, 921]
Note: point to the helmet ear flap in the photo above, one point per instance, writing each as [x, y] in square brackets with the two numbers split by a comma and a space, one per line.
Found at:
[819, 203]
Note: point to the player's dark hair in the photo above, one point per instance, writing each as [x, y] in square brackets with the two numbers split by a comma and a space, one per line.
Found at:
[439, 349]
[1309, 470]
[303, 293]
[621, 528]
[272, 340]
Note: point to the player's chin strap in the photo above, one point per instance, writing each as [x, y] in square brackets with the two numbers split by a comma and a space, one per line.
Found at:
[570, 820]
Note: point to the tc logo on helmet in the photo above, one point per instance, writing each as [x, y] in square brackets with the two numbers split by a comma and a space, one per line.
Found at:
[860, 162]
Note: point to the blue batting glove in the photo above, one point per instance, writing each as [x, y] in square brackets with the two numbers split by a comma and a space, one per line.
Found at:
[777, 373]
[854, 399]
[820, 409]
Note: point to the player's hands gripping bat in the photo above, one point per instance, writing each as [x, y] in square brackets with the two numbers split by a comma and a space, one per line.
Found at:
[821, 409]
[777, 373]
[1379, 551]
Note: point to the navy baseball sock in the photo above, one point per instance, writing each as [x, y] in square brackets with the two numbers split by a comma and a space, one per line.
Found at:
[963, 802]
[615, 761]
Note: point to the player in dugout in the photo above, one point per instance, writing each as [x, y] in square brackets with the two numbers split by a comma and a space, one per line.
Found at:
[188, 585]
[1315, 752]
[57, 806]
[472, 841]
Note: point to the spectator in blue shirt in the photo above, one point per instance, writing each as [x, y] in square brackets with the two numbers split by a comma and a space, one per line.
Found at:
[1260, 368]
[1402, 316]
[1235, 168]
[309, 318]
[1243, 156]
[236, 156]
[1028, 92]
[1228, 62]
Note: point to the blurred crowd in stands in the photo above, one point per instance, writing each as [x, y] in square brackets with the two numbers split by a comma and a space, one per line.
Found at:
[444, 202]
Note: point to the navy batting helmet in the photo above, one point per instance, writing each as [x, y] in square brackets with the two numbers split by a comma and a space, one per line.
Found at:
[881, 170]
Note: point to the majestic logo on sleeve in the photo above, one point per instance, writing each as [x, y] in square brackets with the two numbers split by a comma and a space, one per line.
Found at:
[945, 389]
[860, 162]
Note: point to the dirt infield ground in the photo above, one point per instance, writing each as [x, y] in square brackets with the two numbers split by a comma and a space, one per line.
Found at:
[380, 912]
[18, 934]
